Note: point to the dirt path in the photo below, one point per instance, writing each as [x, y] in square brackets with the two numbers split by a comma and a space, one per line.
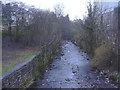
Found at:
[71, 70]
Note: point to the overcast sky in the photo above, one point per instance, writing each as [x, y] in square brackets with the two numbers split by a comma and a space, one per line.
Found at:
[75, 8]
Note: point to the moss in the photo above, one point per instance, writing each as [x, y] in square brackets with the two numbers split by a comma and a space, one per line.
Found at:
[40, 64]
[37, 74]
[37, 65]
[116, 76]
[26, 83]
[42, 60]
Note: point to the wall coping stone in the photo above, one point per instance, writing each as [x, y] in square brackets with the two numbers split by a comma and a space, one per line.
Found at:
[16, 67]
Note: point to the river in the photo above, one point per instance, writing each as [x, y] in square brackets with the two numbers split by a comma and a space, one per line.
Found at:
[71, 69]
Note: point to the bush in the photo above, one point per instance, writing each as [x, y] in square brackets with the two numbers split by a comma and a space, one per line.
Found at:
[103, 56]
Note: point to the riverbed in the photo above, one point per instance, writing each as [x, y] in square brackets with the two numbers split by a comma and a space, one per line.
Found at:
[71, 69]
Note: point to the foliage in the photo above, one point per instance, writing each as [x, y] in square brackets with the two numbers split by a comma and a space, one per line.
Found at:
[85, 31]
[116, 75]
[104, 56]
[31, 26]
[90, 33]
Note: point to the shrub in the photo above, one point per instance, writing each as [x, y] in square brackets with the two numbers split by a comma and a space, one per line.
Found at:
[103, 56]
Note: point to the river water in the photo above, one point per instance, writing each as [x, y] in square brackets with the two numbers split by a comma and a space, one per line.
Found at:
[71, 70]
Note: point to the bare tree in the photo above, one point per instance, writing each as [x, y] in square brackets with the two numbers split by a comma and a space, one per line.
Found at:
[58, 9]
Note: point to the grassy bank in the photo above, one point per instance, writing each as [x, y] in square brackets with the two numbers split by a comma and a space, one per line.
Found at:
[15, 57]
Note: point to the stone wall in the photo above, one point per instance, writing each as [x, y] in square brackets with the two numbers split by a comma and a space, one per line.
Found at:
[19, 75]
[23, 75]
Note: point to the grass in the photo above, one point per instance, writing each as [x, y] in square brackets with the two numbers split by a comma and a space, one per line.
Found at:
[0, 32]
[21, 56]
[0, 70]
[116, 76]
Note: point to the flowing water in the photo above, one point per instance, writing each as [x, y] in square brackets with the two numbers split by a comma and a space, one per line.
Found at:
[71, 70]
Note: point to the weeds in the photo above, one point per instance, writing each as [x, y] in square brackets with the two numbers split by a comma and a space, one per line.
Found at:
[103, 57]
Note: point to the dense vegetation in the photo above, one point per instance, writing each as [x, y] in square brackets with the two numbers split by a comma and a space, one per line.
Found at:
[28, 29]
[96, 35]
[25, 24]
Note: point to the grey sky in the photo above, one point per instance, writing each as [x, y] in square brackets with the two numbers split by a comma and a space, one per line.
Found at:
[75, 8]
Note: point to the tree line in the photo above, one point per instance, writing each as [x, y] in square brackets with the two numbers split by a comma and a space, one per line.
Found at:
[97, 35]
[33, 26]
